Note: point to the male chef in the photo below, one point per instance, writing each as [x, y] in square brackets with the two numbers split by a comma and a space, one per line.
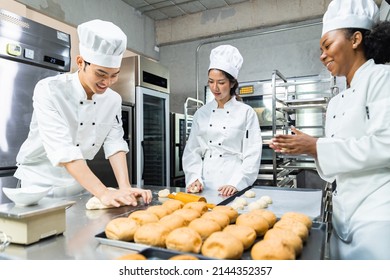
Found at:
[74, 115]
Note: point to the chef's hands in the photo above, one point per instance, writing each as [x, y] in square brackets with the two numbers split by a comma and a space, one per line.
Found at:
[227, 190]
[295, 144]
[195, 187]
[124, 196]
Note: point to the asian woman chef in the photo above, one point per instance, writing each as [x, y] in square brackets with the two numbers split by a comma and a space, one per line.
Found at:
[224, 148]
[356, 150]
[74, 115]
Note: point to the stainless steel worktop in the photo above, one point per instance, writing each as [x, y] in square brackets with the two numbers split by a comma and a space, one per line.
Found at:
[78, 241]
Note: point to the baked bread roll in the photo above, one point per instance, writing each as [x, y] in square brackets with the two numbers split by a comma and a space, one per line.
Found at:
[153, 234]
[173, 204]
[184, 257]
[132, 256]
[245, 234]
[232, 213]
[222, 245]
[173, 221]
[143, 217]
[221, 218]
[267, 214]
[205, 227]
[297, 227]
[287, 237]
[159, 210]
[271, 249]
[121, 228]
[299, 217]
[187, 214]
[199, 206]
[184, 239]
[257, 222]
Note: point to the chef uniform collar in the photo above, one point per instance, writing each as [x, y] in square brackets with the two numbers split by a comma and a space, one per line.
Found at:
[226, 58]
[350, 14]
[102, 43]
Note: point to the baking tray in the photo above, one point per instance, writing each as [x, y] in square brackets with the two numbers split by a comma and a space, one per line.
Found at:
[313, 249]
[306, 201]
[154, 253]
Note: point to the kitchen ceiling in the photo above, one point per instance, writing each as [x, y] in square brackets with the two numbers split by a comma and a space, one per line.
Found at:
[161, 9]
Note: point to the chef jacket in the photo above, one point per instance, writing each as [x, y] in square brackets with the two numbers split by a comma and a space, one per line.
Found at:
[65, 126]
[356, 150]
[224, 146]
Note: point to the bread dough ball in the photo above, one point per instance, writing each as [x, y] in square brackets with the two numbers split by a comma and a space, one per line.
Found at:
[250, 194]
[267, 199]
[143, 217]
[256, 205]
[163, 193]
[221, 218]
[267, 214]
[233, 214]
[297, 227]
[299, 217]
[199, 206]
[173, 221]
[121, 228]
[271, 249]
[184, 257]
[153, 234]
[258, 223]
[222, 245]
[245, 234]
[173, 204]
[159, 210]
[187, 214]
[132, 256]
[94, 203]
[205, 227]
[287, 237]
[184, 239]
[237, 206]
[240, 200]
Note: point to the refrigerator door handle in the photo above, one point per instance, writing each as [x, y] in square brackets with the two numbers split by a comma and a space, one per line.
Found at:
[142, 159]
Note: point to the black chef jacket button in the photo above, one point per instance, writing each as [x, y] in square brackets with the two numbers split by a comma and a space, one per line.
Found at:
[224, 127]
[220, 155]
[93, 123]
[227, 112]
[81, 102]
[213, 111]
[332, 135]
[94, 102]
[219, 144]
[81, 123]
[210, 155]
[342, 95]
[93, 144]
[211, 141]
[211, 125]
[77, 145]
[334, 116]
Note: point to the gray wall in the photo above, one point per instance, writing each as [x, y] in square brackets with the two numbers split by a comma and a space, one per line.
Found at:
[139, 29]
[291, 49]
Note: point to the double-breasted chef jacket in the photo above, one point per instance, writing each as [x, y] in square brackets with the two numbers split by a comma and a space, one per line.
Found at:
[66, 126]
[224, 146]
[356, 153]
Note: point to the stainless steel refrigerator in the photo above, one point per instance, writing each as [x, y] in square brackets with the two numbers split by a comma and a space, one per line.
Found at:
[144, 87]
[29, 52]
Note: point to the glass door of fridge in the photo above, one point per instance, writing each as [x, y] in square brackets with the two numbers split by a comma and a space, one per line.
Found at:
[152, 114]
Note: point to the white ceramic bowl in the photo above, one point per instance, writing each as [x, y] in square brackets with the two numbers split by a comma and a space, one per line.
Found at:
[26, 196]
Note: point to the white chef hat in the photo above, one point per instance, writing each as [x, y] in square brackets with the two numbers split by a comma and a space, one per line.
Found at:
[226, 58]
[102, 43]
[350, 14]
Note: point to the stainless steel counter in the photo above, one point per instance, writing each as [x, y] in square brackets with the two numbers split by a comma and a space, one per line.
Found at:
[78, 242]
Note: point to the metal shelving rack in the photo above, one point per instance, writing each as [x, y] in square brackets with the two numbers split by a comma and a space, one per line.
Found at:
[190, 107]
[302, 104]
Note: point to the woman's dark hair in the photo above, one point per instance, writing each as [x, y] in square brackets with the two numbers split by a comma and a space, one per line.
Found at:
[376, 42]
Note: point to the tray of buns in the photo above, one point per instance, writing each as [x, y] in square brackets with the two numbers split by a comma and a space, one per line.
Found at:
[279, 200]
[218, 233]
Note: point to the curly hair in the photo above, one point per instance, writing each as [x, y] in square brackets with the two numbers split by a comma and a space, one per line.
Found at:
[376, 42]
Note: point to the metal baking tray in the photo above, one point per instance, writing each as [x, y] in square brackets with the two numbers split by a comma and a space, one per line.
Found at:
[306, 201]
[313, 248]
[154, 253]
